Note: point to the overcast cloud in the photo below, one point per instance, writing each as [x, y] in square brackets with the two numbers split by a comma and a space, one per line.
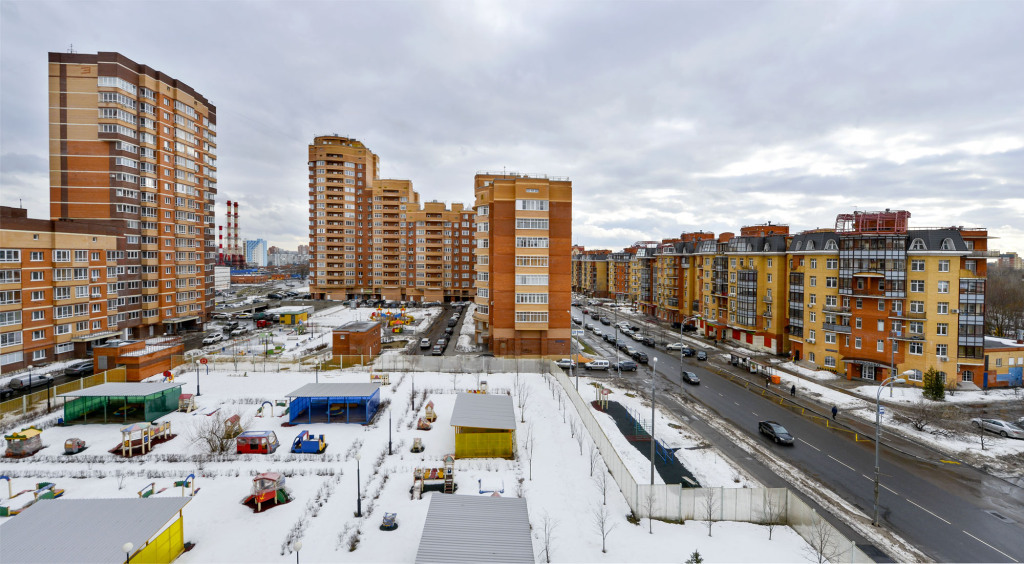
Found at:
[667, 116]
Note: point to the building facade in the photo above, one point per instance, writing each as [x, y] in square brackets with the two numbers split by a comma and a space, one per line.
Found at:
[523, 265]
[135, 149]
[256, 252]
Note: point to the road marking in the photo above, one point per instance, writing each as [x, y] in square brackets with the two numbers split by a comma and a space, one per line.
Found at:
[841, 462]
[890, 489]
[992, 547]
[809, 444]
[929, 512]
[736, 402]
[754, 413]
[949, 462]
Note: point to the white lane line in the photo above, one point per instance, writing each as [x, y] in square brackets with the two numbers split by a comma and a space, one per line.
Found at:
[754, 413]
[890, 489]
[809, 444]
[841, 462]
[929, 512]
[736, 402]
[992, 547]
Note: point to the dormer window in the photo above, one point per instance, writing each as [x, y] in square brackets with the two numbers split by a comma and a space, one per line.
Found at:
[918, 245]
[947, 244]
[830, 245]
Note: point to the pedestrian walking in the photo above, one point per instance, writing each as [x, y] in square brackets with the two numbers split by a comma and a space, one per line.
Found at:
[792, 390]
[767, 381]
[835, 411]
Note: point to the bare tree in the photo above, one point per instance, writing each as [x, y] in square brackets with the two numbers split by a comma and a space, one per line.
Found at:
[528, 443]
[822, 541]
[919, 415]
[595, 457]
[547, 527]
[580, 438]
[709, 507]
[648, 502]
[573, 428]
[772, 514]
[522, 393]
[1004, 301]
[601, 480]
[603, 522]
[211, 433]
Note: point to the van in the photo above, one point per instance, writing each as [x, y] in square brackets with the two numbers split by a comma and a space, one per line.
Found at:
[29, 381]
[597, 365]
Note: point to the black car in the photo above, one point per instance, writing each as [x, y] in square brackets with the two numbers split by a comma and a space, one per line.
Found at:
[595, 316]
[81, 368]
[609, 337]
[577, 321]
[449, 330]
[776, 432]
[649, 341]
[690, 378]
[688, 351]
[627, 366]
[634, 327]
[702, 355]
[622, 344]
[689, 327]
[6, 392]
[640, 357]
[606, 321]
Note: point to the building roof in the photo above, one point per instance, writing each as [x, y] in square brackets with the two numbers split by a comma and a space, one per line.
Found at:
[121, 389]
[484, 411]
[815, 241]
[993, 343]
[290, 310]
[467, 528]
[933, 239]
[85, 530]
[335, 391]
[358, 326]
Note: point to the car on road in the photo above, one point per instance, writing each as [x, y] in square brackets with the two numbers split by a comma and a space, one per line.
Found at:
[424, 343]
[6, 392]
[649, 341]
[690, 378]
[597, 332]
[244, 315]
[239, 331]
[566, 363]
[627, 366]
[640, 357]
[442, 342]
[606, 321]
[674, 346]
[595, 316]
[776, 432]
[689, 327]
[585, 311]
[29, 381]
[80, 368]
[438, 350]
[220, 315]
[212, 339]
[702, 355]
[598, 364]
[577, 320]
[449, 330]
[589, 326]
[687, 351]
[1002, 428]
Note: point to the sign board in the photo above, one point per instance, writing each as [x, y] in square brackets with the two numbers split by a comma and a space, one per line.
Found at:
[202, 360]
[577, 332]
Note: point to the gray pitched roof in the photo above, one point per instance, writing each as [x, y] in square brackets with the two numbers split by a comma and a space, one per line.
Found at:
[933, 239]
[85, 530]
[358, 326]
[335, 391]
[820, 239]
[467, 528]
[121, 389]
[483, 411]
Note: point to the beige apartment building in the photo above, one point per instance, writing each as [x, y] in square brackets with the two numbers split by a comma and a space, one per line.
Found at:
[135, 149]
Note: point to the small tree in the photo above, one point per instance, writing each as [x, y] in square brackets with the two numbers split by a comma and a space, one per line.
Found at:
[709, 507]
[603, 522]
[648, 501]
[601, 481]
[595, 457]
[580, 438]
[210, 433]
[932, 386]
[546, 529]
[528, 443]
[919, 415]
[695, 558]
[772, 513]
[822, 541]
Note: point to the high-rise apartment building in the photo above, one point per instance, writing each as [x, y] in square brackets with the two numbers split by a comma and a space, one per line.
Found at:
[256, 252]
[369, 237]
[523, 236]
[133, 148]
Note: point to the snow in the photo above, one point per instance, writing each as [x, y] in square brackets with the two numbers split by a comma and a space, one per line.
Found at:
[324, 486]
[467, 331]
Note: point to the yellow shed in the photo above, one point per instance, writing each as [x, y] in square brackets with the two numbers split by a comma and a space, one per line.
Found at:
[485, 426]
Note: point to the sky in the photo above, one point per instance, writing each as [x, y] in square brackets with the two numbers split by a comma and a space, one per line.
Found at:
[668, 117]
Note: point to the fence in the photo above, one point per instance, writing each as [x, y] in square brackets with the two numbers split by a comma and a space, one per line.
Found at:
[672, 502]
[28, 402]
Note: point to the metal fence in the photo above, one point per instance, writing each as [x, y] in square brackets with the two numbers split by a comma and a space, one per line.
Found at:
[35, 400]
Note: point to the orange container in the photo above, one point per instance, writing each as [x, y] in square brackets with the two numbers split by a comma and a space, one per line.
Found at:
[776, 380]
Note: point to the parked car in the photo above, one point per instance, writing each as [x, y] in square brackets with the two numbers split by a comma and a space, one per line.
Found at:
[80, 368]
[622, 344]
[577, 321]
[6, 392]
[424, 343]
[220, 315]
[634, 327]
[30, 381]
[702, 355]
[589, 326]
[585, 311]
[239, 332]
[438, 350]
[690, 378]
[640, 357]
[674, 346]
[687, 351]
[566, 363]
[649, 341]
[449, 330]
[244, 315]
[597, 332]
[442, 342]
[606, 321]
[688, 327]
[627, 366]
[776, 432]
[212, 339]
[1002, 428]
[599, 364]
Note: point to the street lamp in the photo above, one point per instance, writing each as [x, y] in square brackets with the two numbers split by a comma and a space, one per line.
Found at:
[878, 415]
[359, 496]
[297, 547]
[654, 375]
[389, 429]
[615, 343]
[127, 548]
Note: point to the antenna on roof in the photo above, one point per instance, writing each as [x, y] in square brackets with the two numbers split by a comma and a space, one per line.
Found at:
[71, 48]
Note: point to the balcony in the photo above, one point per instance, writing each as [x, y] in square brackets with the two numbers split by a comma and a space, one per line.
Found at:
[767, 299]
[836, 328]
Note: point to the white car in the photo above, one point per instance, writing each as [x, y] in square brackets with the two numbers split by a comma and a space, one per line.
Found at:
[674, 347]
[212, 339]
[998, 426]
[566, 363]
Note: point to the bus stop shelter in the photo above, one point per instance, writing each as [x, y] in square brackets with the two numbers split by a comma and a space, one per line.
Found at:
[121, 402]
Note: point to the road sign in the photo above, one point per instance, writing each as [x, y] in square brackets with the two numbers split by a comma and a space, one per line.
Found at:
[577, 332]
[881, 410]
[202, 360]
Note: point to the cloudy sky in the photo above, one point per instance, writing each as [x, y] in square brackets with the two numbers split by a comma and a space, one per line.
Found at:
[667, 116]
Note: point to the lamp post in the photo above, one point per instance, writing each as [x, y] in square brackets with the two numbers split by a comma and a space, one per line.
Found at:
[197, 378]
[317, 371]
[359, 495]
[127, 548]
[297, 547]
[654, 375]
[615, 343]
[389, 429]
[878, 416]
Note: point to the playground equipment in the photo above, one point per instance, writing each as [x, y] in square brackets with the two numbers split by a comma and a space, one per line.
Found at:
[423, 425]
[141, 437]
[186, 403]
[601, 402]
[24, 443]
[43, 490]
[417, 445]
[308, 444]
[481, 390]
[429, 414]
[435, 479]
[257, 442]
[272, 404]
[149, 490]
[267, 487]
[390, 522]
[382, 379]
[395, 320]
[483, 491]
[190, 482]
[232, 427]
[169, 377]
[74, 446]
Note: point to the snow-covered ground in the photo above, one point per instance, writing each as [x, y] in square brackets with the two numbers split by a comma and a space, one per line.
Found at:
[324, 486]
[467, 331]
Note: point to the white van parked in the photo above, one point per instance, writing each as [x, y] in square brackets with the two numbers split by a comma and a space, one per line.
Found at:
[598, 364]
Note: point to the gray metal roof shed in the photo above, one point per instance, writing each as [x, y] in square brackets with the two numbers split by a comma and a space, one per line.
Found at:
[122, 389]
[85, 530]
[483, 411]
[466, 528]
[334, 390]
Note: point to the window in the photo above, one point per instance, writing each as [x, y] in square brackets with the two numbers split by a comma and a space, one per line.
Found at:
[832, 264]
[814, 263]
[917, 266]
[915, 375]
[10, 297]
[13, 276]
[941, 350]
[531, 279]
[943, 286]
[810, 357]
[39, 315]
[856, 343]
[531, 317]
[947, 245]
[942, 329]
[531, 205]
[532, 242]
[916, 327]
[967, 376]
[857, 323]
[916, 348]
[830, 338]
[530, 261]
[39, 335]
[830, 361]
[531, 223]
[531, 298]
[943, 266]
[916, 307]
[10, 255]
[813, 281]
[10, 339]
[881, 325]
[943, 307]
[918, 245]
[10, 318]
[917, 285]
[880, 345]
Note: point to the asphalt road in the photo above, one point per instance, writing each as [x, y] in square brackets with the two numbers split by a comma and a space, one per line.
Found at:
[436, 331]
[944, 510]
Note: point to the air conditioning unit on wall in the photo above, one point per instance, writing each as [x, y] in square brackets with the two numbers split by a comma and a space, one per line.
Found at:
[943, 359]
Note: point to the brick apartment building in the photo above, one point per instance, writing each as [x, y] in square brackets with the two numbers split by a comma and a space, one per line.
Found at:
[523, 265]
[135, 149]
